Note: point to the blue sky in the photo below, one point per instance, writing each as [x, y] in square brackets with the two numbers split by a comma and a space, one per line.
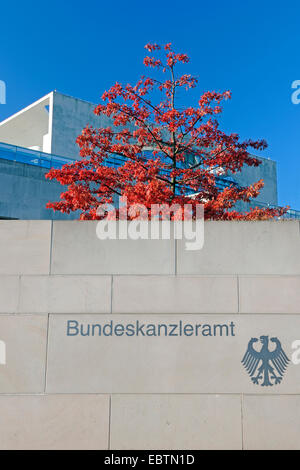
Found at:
[82, 48]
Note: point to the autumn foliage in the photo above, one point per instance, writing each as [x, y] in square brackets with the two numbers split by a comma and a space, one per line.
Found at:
[186, 149]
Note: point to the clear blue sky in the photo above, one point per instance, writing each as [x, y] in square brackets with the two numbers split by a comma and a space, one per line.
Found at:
[81, 48]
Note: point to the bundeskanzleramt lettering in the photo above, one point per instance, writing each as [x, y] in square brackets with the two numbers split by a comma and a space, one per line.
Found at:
[138, 328]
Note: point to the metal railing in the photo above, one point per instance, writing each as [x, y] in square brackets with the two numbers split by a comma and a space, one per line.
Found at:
[32, 157]
[290, 214]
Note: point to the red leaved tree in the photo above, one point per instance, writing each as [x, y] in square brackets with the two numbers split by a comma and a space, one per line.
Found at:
[157, 153]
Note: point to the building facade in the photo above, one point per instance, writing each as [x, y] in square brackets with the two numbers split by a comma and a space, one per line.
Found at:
[43, 135]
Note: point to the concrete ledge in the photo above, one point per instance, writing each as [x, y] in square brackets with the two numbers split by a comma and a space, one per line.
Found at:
[54, 422]
[262, 247]
[176, 422]
[230, 248]
[170, 294]
[25, 337]
[271, 422]
[65, 294]
[77, 250]
[272, 294]
[25, 246]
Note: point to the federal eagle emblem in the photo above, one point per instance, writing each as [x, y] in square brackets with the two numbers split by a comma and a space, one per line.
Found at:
[265, 367]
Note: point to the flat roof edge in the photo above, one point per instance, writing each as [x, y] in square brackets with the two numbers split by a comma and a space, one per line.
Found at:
[27, 108]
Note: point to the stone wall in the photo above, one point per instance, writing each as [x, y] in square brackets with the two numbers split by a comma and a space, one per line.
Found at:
[119, 391]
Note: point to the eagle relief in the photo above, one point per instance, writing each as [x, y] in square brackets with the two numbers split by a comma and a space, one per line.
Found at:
[266, 367]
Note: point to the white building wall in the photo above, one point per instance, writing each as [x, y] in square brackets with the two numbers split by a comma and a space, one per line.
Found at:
[27, 127]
